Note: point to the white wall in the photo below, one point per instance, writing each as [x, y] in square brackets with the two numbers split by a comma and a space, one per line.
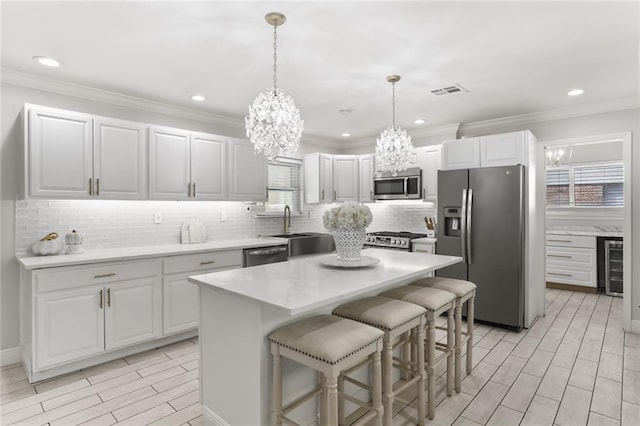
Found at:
[107, 224]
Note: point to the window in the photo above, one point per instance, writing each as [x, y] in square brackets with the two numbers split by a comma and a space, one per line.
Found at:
[599, 185]
[284, 185]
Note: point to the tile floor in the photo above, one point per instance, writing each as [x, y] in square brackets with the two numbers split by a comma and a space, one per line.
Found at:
[575, 366]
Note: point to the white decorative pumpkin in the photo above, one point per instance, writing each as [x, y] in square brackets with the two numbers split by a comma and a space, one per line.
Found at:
[50, 244]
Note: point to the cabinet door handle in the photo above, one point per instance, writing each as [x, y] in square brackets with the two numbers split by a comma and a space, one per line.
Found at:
[559, 274]
[90, 186]
[371, 195]
[110, 274]
[207, 262]
[335, 195]
[560, 255]
[323, 194]
[97, 186]
[100, 301]
[189, 189]
[108, 297]
[423, 193]
[560, 241]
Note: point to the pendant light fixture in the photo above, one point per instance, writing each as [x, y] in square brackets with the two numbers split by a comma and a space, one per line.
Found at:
[393, 147]
[274, 125]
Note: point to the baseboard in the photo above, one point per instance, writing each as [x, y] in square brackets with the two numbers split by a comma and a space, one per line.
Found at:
[571, 287]
[212, 417]
[10, 356]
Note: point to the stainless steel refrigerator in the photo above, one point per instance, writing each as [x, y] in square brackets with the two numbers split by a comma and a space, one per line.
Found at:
[481, 217]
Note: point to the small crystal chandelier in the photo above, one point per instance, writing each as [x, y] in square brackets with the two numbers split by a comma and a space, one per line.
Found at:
[274, 125]
[393, 147]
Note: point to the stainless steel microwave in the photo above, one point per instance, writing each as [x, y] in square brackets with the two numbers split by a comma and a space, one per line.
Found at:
[406, 185]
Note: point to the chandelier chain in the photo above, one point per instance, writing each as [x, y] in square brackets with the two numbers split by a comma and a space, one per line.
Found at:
[275, 58]
[393, 102]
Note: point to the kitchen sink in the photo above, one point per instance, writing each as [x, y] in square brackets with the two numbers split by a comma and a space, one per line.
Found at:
[308, 243]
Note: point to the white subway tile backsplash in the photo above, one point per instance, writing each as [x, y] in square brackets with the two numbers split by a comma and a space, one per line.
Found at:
[112, 224]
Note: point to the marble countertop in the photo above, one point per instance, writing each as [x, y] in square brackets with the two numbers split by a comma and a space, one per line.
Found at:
[302, 285]
[31, 261]
[587, 233]
[427, 240]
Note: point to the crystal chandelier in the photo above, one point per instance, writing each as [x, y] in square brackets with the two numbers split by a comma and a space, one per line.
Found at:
[274, 124]
[393, 147]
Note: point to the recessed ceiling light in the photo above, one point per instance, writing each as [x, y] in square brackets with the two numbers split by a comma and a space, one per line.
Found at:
[198, 98]
[575, 92]
[346, 135]
[46, 61]
[345, 111]
[419, 121]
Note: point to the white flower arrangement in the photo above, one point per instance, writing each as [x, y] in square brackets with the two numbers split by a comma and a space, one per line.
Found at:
[348, 215]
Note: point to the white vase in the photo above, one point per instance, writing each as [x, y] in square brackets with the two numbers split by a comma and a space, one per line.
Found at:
[349, 242]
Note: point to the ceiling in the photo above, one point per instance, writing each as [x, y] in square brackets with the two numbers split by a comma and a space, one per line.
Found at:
[512, 58]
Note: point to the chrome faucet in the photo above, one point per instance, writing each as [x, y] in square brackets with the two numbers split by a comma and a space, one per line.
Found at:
[286, 222]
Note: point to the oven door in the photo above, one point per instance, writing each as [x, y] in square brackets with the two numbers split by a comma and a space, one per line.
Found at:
[397, 188]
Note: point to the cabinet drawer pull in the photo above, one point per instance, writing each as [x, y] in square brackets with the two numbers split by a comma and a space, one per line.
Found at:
[561, 241]
[110, 274]
[560, 255]
[208, 262]
[559, 274]
[90, 186]
[100, 301]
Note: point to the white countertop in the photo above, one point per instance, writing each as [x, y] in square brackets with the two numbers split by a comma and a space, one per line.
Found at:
[425, 240]
[303, 284]
[587, 233]
[31, 261]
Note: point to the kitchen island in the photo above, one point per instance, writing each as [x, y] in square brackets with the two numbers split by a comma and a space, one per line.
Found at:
[240, 308]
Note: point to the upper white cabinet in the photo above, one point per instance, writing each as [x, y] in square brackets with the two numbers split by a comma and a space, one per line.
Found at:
[208, 167]
[169, 164]
[345, 178]
[318, 178]
[461, 154]
[430, 161]
[366, 166]
[248, 172]
[73, 155]
[486, 151]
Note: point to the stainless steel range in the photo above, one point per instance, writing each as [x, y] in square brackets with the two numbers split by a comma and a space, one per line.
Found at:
[393, 240]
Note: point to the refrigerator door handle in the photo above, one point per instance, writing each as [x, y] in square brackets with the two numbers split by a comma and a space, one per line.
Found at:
[463, 225]
[469, 229]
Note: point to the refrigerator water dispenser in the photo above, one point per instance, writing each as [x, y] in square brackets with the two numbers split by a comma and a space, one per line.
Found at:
[452, 221]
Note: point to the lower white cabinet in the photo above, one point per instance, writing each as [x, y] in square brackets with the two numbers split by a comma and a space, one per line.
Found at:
[84, 311]
[180, 298]
[571, 260]
[424, 245]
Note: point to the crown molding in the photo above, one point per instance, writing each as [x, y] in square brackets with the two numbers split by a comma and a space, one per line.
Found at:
[32, 81]
[445, 129]
[549, 115]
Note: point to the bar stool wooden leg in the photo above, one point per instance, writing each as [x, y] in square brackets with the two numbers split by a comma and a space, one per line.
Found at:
[450, 353]
[377, 388]
[431, 371]
[276, 414]
[470, 313]
[332, 401]
[387, 378]
[458, 344]
[421, 372]
[341, 400]
[407, 349]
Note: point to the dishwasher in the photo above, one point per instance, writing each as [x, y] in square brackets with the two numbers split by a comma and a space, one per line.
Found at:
[263, 255]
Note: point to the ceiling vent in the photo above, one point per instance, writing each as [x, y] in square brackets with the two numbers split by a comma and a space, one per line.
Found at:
[449, 90]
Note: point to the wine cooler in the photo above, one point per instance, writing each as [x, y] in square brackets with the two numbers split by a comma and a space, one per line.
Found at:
[613, 267]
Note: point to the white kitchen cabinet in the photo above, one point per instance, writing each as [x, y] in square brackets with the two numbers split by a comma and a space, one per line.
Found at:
[318, 178]
[75, 155]
[430, 161]
[119, 160]
[502, 150]
[208, 167]
[248, 172]
[345, 178]
[180, 298]
[461, 154]
[366, 167]
[169, 164]
[571, 260]
[60, 153]
[424, 245]
[69, 325]
[83, 311]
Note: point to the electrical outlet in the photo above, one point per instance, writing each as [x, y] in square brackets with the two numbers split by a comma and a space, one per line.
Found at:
[157, 217]
[223, 216]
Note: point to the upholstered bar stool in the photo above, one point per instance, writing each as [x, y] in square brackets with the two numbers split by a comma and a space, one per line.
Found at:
[330, 345]
[464, 291]
[436, 302]
[396, 318]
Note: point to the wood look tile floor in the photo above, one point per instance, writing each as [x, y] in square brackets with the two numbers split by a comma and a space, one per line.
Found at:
[575, 366]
